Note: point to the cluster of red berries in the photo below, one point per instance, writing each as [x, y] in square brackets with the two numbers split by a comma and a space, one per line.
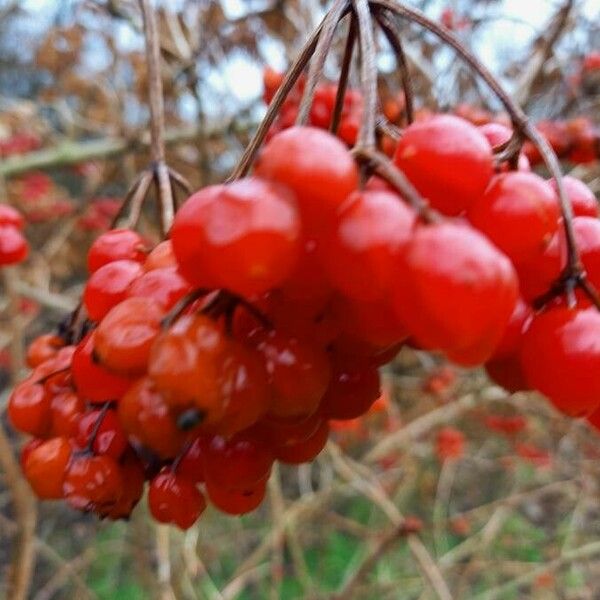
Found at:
[321, 110]
[13, 245]
[269, 310]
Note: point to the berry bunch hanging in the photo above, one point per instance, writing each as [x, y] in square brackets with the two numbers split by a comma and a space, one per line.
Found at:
[197, 364]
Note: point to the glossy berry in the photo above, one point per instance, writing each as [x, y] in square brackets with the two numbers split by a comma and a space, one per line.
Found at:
[299, 373]
[519, 213]
[304, 451]
[448, 160]
[93, 483]
[163, 285]
[132, 474]
[233, 501]
[583, 200]
[11, 216]
[174, 499]
[43, 348]
[124, 338]
[108, 286]
[66, 408]
[92, 381]
[13, 246]
[116, 244]
[371, 229]
[353, 389]
[102, 433]
[513, 334]
[29, 408]
[242, 461]
[497, 135]
[507, 372]
[191, 463]
[285, 432]
[458, 301]
[44, 467]
[243, 236]
[561, 358]
[146, 417]
[160, 257]
[316, 166]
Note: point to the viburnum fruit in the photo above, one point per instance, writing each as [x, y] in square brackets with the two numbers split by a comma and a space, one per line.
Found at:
[561, 357]
[448, 160]
[117, 244]
[236, 501]
[45, 465]
[460, 301]
[583, 200]
[243, 236]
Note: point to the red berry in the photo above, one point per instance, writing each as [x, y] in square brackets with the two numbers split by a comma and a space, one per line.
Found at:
[66, 408]
[161, 257]
[450, 444]
[11, 216]
[108, 286]
[174, 499]
[448, 160]
[43, 348]
[191, 463]
[92, 381]
[561, 358]
[13, 246]
[124, 338]
[510, 343]
[458, 301]
[105, 430]
[316, 166]
[29, 408]
[164, 285]
[583, 200]
[507, 372]
[45, 465]
[116, 244]
[497, 135]
[243, 236]
[236, 502]
[305, 450]
[371, 229]
[132, 473]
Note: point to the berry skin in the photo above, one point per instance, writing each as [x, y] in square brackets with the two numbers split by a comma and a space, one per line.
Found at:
[124, 338]
[519, 213]
[145, 416]
[243, 236]
[117, 244]
[353, 389]
[583, 200]
[13, 246]
[280, 432]
[520, 319]
[163, 285]
[174, 499]
[507, 372]
[438, 153]
[560, 357]
[298, 370]
[43, 348]
[241, 461]
[371, 229]
[108, 286]
[186, 362]
[110, 439]
[66, 408]
[93, 483]
[29, 408]
[236, 502]
[44, 467]
[316, 166]
[458, 301]
[306, 450]
[11, 216]
[498, 134]
[191, 463]
[161, 257]
[132, 474]
[92, 381]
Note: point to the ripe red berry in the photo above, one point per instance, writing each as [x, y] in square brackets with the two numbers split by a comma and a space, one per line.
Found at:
[92, 381]
[304, 451]
[507, 372]
[174, 499]
[520, 319]
[116, 244]
[43, 348]
[458, 301]
[561, 358]
[371, 229]
[164, 285]
[236, 502]
[66, 408]
[498, 134]
[284, 432]
[145, 416]
[44, 467]
[191, 463]
[13, 246]
[242, 461]
[11, 216]
[161, 257]
[103, 431]
[448, 160]
[243, 236]
[124, 338]
[93, 483]
[132, 474]
[583, 200]
[316, 166]
[29, 408]
[518, 213]
[299, 373]
[108, 286]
